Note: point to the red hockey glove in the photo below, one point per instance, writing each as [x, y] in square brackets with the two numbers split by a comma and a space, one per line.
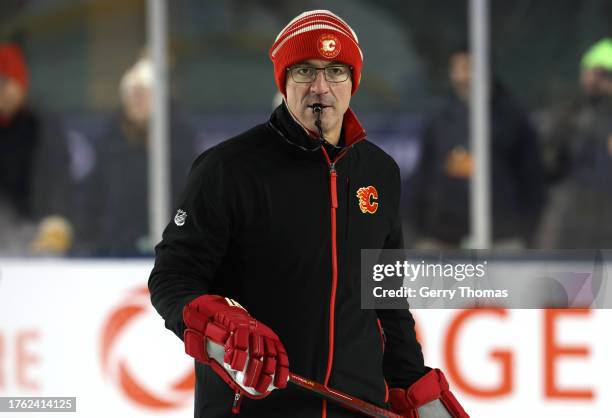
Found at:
[428, 397]
[247, 355]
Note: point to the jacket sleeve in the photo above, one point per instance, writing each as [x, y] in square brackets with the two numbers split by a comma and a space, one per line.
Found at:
[556, 143]
[530, 178]
[403, 362]
[193, 244]
[52, 187]
[418, 201]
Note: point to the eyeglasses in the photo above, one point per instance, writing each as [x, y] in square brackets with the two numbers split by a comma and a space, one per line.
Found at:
[308, 74]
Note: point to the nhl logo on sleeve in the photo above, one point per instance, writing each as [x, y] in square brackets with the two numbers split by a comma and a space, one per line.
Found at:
[180, 217]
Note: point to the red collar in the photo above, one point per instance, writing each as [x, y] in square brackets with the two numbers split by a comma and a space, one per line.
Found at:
[284, 122]
[4, 122]
[353, 131]
[351, 128]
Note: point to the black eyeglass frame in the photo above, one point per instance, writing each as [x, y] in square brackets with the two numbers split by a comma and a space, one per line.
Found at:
[349, 74]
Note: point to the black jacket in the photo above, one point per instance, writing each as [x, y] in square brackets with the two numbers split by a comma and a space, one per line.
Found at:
[440, 208]
[117, 187]
[259, 230]
[34, 167]
[579, 158]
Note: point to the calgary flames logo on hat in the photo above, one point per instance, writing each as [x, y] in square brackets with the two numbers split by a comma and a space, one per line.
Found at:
[367, 199]
[329, 45]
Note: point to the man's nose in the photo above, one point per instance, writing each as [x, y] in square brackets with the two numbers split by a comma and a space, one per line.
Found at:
[320, 84]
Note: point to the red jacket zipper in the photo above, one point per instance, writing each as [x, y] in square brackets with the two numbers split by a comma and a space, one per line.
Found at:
[333, 190]
[382, 343]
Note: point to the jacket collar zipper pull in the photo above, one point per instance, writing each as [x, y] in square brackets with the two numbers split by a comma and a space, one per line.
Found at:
[237, 402]
[332, 185]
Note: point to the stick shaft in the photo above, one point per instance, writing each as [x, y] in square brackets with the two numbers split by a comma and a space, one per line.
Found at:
[348, 401]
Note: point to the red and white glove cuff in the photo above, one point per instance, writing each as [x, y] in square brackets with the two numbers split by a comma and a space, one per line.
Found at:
[429, 396]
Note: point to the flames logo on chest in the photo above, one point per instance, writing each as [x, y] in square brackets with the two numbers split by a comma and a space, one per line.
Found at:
[368, 197]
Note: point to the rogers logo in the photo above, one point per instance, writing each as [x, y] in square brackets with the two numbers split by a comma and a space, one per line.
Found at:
[122, 352]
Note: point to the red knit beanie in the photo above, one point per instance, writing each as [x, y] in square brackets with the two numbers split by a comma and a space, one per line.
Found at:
[12, 64]
[317, 34]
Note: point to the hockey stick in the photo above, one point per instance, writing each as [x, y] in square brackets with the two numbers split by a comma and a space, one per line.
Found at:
[343, 399]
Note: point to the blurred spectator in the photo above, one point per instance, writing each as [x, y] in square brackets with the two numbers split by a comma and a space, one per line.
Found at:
[578, 157]
[115, 200]
[34, 169]
[440, 209]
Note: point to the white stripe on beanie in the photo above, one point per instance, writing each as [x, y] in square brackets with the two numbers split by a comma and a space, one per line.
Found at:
[315, 20]
[340, 28]
[308, 29]
[320, 13]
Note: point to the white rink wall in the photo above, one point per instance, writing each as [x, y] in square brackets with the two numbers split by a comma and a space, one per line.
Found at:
[86, 329]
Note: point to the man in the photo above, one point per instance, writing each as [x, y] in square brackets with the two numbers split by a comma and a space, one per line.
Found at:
[269, 231]
[596, 69]
[440, 208]
[116, 189]
[35, 188]
[578, 157]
